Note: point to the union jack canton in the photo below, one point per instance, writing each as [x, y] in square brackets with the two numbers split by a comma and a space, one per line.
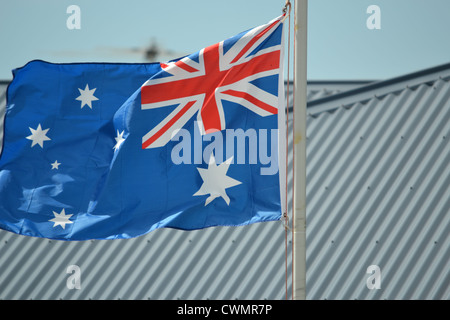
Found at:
[199, 82]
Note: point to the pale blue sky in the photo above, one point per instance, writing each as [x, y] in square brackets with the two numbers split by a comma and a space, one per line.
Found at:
[414, 33]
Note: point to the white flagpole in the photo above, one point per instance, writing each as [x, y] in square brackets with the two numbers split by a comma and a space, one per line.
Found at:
[299, 201]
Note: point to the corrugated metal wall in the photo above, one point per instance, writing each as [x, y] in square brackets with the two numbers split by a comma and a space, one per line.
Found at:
[378, 194]
[378, 177]
[219, 263]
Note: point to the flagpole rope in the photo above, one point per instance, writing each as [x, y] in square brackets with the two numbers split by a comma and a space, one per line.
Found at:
[287, 13]
[293, 149]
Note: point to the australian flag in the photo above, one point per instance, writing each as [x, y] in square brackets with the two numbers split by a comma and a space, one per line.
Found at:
[115, 150]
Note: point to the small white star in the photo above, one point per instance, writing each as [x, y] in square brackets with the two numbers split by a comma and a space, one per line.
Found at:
[55, 165]
[86, 96]
[38, 136]
[61, 219]
[215, 181]
[119, 140]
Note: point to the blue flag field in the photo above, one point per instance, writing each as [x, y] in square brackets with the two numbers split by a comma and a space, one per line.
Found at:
[116, 150]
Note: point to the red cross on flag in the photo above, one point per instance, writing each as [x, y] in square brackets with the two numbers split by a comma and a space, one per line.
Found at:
[198, 83]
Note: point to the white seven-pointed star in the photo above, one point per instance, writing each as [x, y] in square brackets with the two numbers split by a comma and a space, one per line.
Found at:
[119, 140]
[61, 219]
[216, 181]
[55, 165]
[86, 96]
[38, 136]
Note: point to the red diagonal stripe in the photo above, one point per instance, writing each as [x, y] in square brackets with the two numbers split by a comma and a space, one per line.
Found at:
[252, 99]
[185, 66]
[252, 42]
[166, 127]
